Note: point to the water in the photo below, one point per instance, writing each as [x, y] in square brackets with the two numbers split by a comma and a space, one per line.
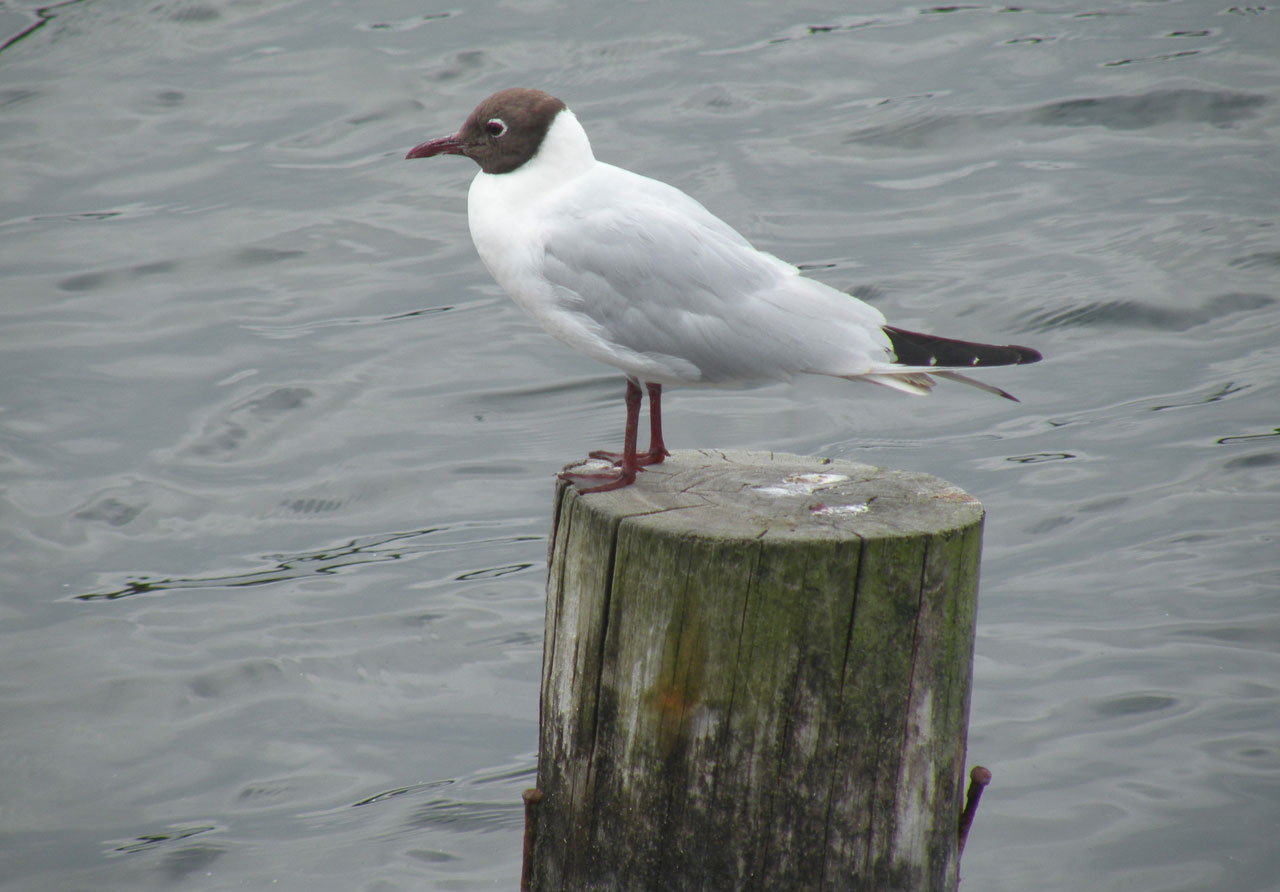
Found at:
[278, 457]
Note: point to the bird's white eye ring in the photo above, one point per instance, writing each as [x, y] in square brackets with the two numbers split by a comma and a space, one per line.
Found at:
[495, 127]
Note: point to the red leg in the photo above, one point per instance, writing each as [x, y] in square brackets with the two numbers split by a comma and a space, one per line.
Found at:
[657, 450]
[626, 473]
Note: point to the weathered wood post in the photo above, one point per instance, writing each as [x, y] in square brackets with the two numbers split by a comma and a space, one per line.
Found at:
[756, 677]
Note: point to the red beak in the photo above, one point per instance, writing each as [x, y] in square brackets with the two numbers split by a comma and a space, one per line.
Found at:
[445, 145]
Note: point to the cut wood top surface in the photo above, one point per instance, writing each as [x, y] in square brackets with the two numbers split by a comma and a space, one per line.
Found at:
[728, 494]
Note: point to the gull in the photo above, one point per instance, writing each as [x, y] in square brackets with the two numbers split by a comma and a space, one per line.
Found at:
[634, 273]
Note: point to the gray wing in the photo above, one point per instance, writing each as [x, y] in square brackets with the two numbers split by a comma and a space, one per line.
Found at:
[660, 275]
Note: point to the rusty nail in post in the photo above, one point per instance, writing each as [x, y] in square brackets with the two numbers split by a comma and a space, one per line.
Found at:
[979, 777]
[531, 797]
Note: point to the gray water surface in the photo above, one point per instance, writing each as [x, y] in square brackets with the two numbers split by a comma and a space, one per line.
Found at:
[277, 457]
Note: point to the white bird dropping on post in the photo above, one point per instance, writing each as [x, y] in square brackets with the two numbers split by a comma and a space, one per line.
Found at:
[634, 273]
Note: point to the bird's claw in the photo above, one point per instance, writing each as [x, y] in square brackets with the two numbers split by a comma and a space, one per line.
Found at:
[611, 480]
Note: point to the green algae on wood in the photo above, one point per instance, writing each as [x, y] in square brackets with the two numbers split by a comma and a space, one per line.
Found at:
[756, 676]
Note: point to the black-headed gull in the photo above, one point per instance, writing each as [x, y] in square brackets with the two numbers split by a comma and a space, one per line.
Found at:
[636, 274]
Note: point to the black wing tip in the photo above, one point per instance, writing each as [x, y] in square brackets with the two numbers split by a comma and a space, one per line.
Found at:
[1026, 355]
[926, 350]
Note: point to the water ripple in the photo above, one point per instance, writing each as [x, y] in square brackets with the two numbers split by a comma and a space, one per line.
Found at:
[1155, 108]
[1132, 313]
[323, 562]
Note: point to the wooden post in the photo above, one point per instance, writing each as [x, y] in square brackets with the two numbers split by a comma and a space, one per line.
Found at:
[756, 677]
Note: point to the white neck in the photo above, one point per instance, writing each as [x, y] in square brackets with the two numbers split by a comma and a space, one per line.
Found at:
[564, 154]
[496, 202]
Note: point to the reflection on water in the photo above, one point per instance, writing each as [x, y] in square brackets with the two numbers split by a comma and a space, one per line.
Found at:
[254, 374]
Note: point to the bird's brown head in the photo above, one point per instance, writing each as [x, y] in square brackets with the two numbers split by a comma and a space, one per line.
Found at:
[502, 133]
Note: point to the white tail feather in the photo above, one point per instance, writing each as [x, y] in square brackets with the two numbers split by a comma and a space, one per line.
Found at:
[962, 379]
[908, 382]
